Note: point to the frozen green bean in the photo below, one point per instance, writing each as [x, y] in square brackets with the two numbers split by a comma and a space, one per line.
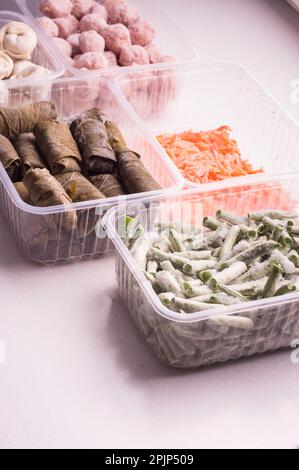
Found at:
[272, 214]
[228, 275]
[232, 219]
[229, 241]
[271, 284]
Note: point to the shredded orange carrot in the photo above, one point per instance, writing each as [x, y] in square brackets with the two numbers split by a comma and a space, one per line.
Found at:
[206, 156]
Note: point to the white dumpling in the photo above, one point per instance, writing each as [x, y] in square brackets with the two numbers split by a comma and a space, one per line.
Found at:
[18, 40]
[6, 65]
[20, 65]
[33, 70]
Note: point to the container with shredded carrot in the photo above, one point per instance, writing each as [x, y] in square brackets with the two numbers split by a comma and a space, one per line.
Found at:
[206, 156]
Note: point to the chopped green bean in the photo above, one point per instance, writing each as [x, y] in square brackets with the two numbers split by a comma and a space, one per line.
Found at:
[271, 284]
[232, 219]
[230, 241]
[211, 223]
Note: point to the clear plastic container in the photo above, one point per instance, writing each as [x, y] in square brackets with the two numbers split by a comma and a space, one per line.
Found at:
[42, 55]
[195, 340]
[205, 96]
[169, 38]
[40, 232]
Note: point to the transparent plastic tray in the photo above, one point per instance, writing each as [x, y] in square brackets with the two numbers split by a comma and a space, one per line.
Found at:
[205, 96]
[193, 340]
[40, 231]
[169, 38]
[42, 55]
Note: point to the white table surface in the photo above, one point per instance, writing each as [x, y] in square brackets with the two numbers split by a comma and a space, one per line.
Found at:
[77, 373]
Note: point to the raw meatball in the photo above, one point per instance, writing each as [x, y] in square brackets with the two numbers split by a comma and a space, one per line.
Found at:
[67, 25]
[111, 57]
[109, 4]
[142, 33]
[100, 10]
[125, 14]
[56, 8]
[48, 26]
[116, 37]
[82, 7]
[73, 40]
[154, 53]
[91, 41]
[93, 22]
[133, 55]
[63, 45]
[91, 61]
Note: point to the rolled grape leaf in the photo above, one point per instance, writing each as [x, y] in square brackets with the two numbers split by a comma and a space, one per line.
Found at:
[78, 187]
[9, 158]
[22, 120]
[90, 133]
[133, 174]
[58, 147]
[109, 185]
[28, 151]
[23, 193]
[45, 191]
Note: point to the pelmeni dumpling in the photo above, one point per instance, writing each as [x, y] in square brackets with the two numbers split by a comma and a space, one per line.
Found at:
[33, 70]
[17, 40]
[20, 65]
[6, 65]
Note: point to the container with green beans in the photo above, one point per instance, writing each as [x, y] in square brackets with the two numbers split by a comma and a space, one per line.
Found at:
[219, 290]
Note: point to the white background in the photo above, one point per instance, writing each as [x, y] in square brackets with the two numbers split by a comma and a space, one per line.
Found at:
[77, 373]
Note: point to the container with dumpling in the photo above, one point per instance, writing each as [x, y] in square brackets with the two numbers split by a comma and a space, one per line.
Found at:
[25, 57]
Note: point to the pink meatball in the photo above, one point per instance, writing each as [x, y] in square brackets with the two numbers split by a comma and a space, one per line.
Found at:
[91, 61]
[93, 22]
[109, 4]
[116, 37]
[125, 14]
[111, 57]
[48, 26]
[91, 41]
[154, 53]
[67, 25]
[82, 7]
[142, 33]
[56, 8]
[73, 40]
[133, 55]
[100, 10]
[63, 45]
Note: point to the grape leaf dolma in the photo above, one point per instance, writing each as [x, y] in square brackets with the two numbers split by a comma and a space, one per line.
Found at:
[78, 187]
[57, 146]
[23, 193]
[22, 120]
[45, 191]
[133, 174]
[109, 185]
[90, 133]
[28, 151]
[9, 158]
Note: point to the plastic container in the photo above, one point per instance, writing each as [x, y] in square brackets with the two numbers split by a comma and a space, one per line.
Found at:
[40, 232]
[195, 340]
[42, 55]
[169, 38]
[205, 96]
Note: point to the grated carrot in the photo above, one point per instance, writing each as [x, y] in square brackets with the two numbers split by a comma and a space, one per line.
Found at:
[206, 156]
